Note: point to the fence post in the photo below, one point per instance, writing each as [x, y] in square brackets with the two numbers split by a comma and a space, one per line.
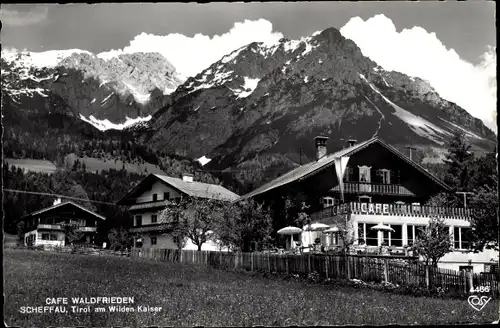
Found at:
[236, 260]
[348, 267]
[287, 265]
[180, 251]
[220, 259]
[269, 261]
[251, 261]
[309, 262]
[326, 266]
[427, 276]
[386, 271]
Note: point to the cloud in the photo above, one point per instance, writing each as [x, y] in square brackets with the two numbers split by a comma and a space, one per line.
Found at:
[191, 55]
[13, 17]
[416, 52]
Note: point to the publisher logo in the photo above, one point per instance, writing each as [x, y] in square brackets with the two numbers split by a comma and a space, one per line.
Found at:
[478, 302]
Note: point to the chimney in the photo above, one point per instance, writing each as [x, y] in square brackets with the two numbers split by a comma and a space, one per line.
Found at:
[320, 146]
[57, 201]
[351, 142]
[188, 177]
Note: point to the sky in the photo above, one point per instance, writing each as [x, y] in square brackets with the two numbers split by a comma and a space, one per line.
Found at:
[450, 44]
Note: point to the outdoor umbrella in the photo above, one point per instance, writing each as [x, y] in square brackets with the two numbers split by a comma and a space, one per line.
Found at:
[290, 231]
[381, 227]
[315, 227]
[333, 229]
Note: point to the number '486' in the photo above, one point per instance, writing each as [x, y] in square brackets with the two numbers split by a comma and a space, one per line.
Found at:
[482, 289]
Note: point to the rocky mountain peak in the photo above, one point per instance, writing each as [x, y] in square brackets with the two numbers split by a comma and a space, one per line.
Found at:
[258, 105]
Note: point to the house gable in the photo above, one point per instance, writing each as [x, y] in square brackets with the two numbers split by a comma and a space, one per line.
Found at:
[66, 209]
[309, 170]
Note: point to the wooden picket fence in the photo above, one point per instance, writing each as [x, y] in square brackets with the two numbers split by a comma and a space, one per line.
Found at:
[401, 271]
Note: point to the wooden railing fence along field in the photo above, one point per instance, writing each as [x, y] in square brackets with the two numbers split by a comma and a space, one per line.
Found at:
[402, 271]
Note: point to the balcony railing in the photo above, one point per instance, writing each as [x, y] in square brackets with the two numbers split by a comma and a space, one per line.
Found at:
[150, 227]
[393, 209]
[155, 204]
[49, 226]
[374, 188]
[44, 226]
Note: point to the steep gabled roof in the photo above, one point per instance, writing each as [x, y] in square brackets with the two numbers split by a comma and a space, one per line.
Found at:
[306, 170]
[199, 189]
[193, 189]
[64, 204]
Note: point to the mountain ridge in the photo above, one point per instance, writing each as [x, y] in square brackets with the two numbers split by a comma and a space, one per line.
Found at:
[113, 89]
[321, 84]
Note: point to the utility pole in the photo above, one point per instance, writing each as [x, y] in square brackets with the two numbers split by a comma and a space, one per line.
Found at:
[410, 148]
[465, 193]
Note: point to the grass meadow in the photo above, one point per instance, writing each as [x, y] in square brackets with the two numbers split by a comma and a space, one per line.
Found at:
[98, 164]
[34, 165]
[201, 296]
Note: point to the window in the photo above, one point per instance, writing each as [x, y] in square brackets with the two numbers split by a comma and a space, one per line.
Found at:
[348, 174]
[154, 218]
[384, 176]
[155, 197]
[396, 238]
[361, 232]
[328, 201]
[370, 237]
[153, 240]
[166, 196]
[45, 236]
[466, 268]
[364, 173]
[413, 232]
[466, 238]
[462, 237]
[138, 220]
[53, 237]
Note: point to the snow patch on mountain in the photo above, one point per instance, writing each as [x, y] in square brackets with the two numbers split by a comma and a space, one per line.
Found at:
[219, 79]
[464, 130]
[228, 58]
[203, 160]
[140, 97]
[104, 125]
[40, 59]
[40, 92]
[419, 125]
[248, 87]
[106, 99]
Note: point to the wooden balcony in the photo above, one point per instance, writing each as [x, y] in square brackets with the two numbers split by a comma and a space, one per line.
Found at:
[43, 226]
[394, 210]
[149, 228]
[374, 188]
[153, 205]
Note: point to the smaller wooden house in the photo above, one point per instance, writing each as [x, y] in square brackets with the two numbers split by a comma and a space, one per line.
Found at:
[48, 226]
